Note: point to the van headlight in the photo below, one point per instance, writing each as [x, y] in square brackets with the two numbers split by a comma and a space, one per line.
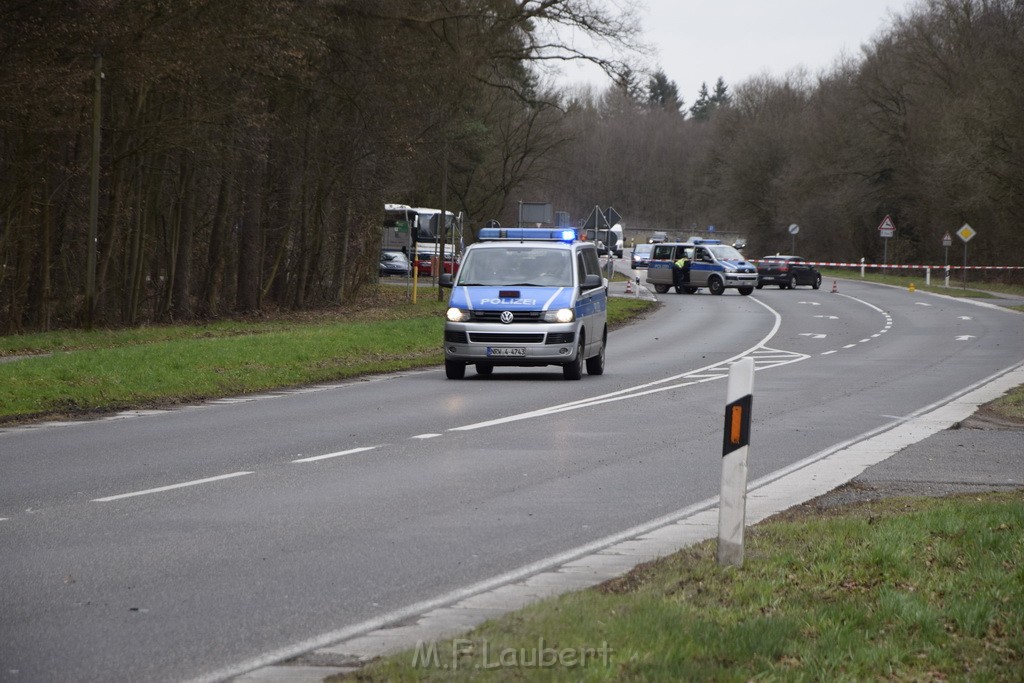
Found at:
[457, 315]
[562, 315]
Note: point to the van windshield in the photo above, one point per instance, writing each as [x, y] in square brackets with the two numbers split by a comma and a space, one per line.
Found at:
[723, 252]
[517, 266]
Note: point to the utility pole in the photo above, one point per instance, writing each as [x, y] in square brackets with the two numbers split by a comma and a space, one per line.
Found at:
[94, 195]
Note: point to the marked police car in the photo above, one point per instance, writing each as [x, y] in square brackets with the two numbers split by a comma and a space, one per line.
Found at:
[713, 264]
[527, 297]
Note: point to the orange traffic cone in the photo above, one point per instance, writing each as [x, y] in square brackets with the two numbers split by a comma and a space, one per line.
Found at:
[629, 286]
[834, 290]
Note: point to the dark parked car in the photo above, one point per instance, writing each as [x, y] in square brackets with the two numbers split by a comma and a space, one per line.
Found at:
[787, 272]
[393, 262]
[641, 256]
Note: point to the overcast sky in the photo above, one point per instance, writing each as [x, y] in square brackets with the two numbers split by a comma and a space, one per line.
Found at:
[699, 40]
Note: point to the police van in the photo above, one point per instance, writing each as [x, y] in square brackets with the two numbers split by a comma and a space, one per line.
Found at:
[713, 264]
[527, 297]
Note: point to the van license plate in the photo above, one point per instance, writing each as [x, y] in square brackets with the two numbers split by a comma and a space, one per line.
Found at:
[506, 351]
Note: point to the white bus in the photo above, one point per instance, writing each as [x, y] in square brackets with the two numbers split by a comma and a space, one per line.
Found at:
[403, 222]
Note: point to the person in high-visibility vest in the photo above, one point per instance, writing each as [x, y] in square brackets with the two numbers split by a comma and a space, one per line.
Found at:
[681, 271]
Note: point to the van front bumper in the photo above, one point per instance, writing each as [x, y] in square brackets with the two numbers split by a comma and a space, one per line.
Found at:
[529, 344]
[740, 279]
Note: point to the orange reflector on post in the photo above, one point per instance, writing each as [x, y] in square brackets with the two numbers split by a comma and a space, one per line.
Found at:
[737, 425]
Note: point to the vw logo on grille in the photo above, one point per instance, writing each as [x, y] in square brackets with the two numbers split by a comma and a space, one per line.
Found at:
[506, 317]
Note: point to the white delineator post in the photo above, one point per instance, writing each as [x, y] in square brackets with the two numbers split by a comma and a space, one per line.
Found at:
[732, 508]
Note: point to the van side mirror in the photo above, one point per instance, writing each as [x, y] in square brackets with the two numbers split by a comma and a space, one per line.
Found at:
[592, 280]
[446, 280]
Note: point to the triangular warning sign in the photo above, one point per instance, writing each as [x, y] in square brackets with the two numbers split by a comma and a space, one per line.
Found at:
[887, 225]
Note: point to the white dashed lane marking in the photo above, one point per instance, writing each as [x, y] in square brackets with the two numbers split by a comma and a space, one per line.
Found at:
[161, 489]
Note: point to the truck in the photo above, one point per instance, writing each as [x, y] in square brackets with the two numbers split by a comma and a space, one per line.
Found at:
[605, 227]
[609, 241]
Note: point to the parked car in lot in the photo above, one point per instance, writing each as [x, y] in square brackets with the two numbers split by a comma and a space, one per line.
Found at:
[641, 256]
[393, 262]
[427, 264]
[787, 272]
[658, 237]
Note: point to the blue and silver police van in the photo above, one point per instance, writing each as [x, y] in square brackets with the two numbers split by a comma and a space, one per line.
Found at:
[713, 264]
[527, 297]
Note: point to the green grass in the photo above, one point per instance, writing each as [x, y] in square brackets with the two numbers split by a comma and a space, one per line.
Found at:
[79, 373]
[1010, 405]
[901, 589]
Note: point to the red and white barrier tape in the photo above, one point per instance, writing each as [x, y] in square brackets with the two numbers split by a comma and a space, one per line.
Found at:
[900, 267]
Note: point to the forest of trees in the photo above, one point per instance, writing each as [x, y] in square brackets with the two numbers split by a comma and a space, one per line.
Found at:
[247, 147]
[926, 126]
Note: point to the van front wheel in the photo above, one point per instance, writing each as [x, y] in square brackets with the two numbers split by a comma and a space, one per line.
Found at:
[574, 370]
[716, 286]
[595, 365]
[454, 369]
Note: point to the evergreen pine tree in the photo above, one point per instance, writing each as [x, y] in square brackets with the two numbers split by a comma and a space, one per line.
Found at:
[721, 96]
[663, 93]
[701, 109]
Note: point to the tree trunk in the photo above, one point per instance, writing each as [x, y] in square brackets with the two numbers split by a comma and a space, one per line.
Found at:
[247, 294]
[215, 257]
[181, 304]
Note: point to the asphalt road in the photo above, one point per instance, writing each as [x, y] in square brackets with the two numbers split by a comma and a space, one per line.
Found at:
[170, 545]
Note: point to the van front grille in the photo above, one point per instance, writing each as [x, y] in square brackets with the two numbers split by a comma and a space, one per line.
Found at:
[495, 316]
[498, 338]
[455, 337]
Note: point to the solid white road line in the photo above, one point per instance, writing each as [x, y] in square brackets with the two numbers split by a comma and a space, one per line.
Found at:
[170, 488]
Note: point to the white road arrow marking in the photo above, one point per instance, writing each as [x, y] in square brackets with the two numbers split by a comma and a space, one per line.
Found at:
[965, 337]
[921, 303]
[812, 303]
[966, 317]
[828, 317]
[812, 335]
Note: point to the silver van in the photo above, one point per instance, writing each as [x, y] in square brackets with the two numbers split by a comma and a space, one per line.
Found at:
[713, 264]
[527, 297]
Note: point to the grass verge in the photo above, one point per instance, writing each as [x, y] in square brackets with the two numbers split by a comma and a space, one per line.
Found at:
[900, 589]
[1010, 405]
[75, 372]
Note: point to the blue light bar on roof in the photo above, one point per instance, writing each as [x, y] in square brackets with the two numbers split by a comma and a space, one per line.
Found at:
[707, 241]
[547, 234]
